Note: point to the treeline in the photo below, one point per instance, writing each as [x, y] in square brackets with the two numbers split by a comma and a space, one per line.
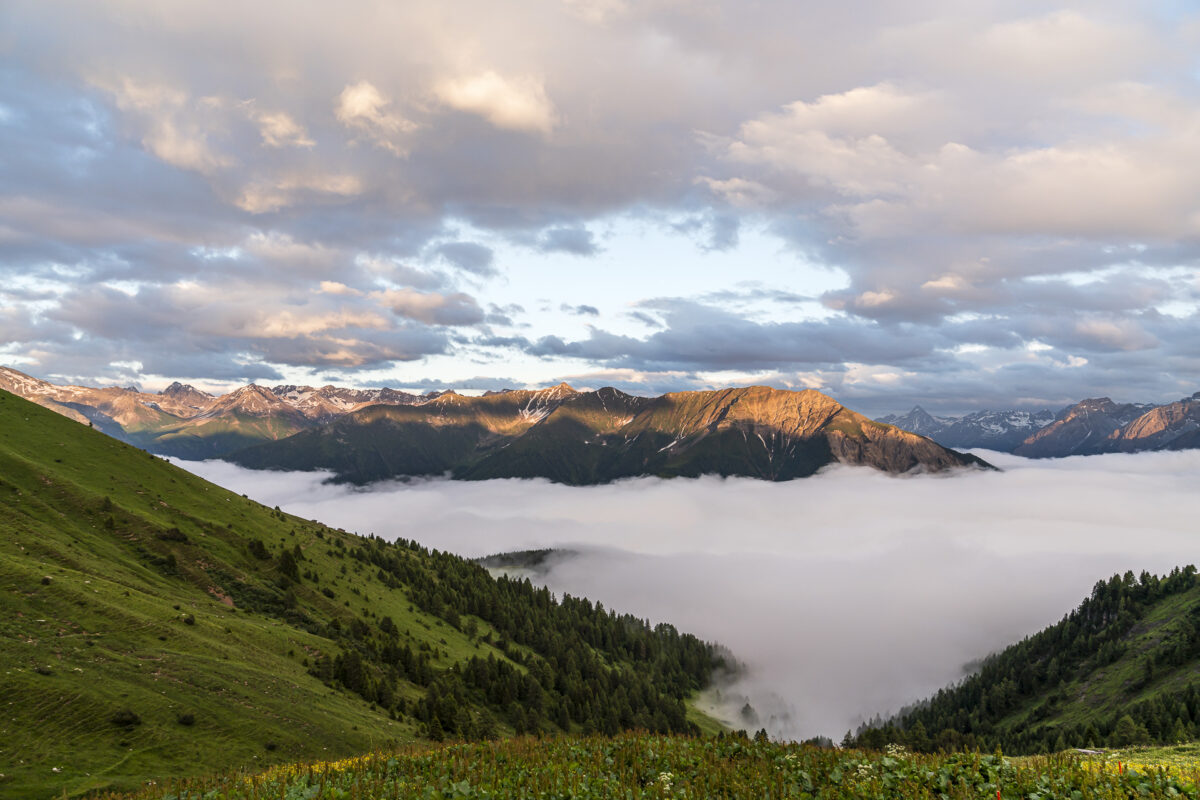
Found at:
[1017, 698]
[571, 665]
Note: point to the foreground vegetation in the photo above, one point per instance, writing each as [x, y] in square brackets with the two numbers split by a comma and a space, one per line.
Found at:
[154, 624]
[650, 766]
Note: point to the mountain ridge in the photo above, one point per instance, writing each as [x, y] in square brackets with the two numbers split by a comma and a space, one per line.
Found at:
[1092, 426]
[581, 438]
[584, 437]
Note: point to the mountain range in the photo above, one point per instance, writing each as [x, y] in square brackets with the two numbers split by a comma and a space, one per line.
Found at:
[992, 430]
[569, 436]
[1090, 427]
[581, 438]
[556, 433]
[185, 422]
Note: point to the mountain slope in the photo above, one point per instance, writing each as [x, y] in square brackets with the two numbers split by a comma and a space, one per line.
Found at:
[1123, 668]
[1085, 428]
[1174, 426]
[158, 625]
[596, 437]
[243, 417]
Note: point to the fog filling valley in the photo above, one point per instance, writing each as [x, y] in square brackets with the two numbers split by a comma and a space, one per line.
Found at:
[844, 595]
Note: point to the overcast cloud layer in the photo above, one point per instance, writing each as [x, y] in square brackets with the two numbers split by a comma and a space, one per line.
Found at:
[846, 595]
[959, 204]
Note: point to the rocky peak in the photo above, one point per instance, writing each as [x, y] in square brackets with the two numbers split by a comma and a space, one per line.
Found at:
[183, 390]
[1093, 405]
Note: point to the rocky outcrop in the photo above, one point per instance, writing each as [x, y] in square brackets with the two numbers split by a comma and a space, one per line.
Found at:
[1086, 428]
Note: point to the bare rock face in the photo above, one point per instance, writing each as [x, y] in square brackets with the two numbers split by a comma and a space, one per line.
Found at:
[186, 396]
[1085, 428]
[1165, 427]
[1102, 426]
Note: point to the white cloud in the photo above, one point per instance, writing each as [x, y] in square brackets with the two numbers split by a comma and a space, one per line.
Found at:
[175, 127]
[278, 129]
[991, 142]
[1117, 334]
[281, 191]
[290, 323]
[336, 287]
[514, 103]
[597, 12]
[828, 601]
[431, 308]
[363, 107]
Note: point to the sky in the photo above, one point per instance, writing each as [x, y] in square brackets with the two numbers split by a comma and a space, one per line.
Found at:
[962, 205]
[837, 611]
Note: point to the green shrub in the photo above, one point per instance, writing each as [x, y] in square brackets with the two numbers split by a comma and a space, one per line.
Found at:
[125, 718]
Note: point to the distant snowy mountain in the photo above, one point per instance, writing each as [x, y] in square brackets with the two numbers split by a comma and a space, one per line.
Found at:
[186, 422]
[1090, 427]
[994, 430]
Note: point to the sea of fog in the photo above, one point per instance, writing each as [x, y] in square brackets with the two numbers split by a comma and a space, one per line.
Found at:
[845, 595]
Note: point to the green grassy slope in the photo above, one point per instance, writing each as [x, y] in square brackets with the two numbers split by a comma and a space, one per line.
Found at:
[1122, 669]
[234, 634]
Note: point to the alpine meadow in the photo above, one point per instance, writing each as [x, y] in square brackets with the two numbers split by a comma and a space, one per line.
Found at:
[599, 400]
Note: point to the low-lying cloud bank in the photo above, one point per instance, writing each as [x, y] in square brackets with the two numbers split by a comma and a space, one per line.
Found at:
[847, 594]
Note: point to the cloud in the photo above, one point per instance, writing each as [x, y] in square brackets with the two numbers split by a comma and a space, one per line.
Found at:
[580, 310]
[175, 126]
[286, 190]
[969, 172]
[468, 256]
[575, 240]
[705, 337]
[431, 307]
[280, 130]
[332, 325]
[518, 104]
[597, 12]
[827, 602]
[362, 107]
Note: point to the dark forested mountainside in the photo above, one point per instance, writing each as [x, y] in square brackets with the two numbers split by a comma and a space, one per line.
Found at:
[1123, 668]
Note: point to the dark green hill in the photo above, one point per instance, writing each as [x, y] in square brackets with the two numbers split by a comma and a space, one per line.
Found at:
[155, 625]
[597, 437]
[1123, 668]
